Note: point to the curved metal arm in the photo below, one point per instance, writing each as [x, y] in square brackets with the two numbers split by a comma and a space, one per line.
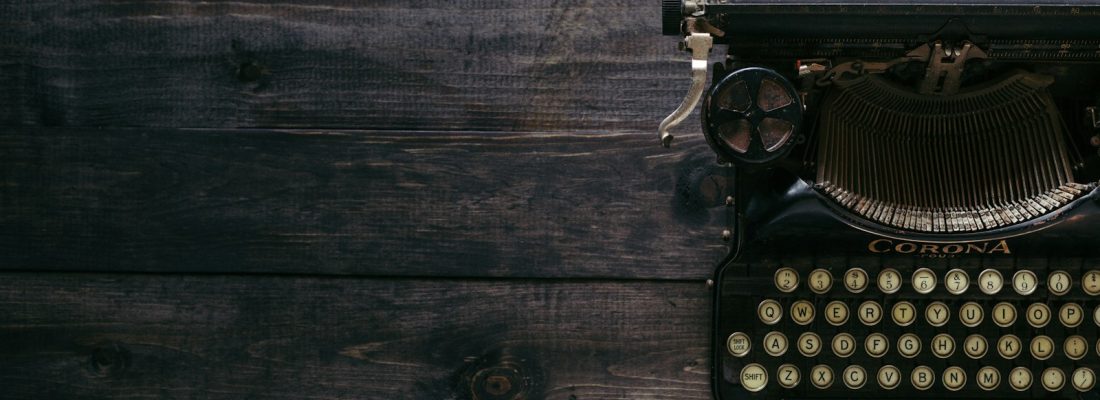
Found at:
[700, 44]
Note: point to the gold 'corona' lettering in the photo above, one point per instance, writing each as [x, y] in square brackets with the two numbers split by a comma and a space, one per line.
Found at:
[889, 246]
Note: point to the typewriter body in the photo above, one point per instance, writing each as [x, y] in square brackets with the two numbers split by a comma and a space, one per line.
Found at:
[916, 203]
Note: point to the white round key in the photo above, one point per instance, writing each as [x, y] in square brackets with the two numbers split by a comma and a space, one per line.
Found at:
[903, 313]
[1004, 314]
[775, 343]
[855, 377]
[909, 345]
[1090, 282]
[1038, 315]
[1024, 282]
[1083, 379]
[971, 314]
[990, 281]
[820, 281]
[924, 280]
[1042, 347]
[942, 345]
[870, 312]
[754, 377]
[988, 378]
[876, 345]
[1009, 346]
[1019, 379]
[844, 345]
[769, 311]
[821, 376]
[922, 377]
[786, 279]
[954, 378]
[937, 313]
[1059, 283]
[889, 280]
[1053, 379]
[956, 281]
[802, 312]
[809, 344]
[1071, 315]
[1075, 347]
[836, 312]
[788, 376]
[855, 280]
[975, 346]
[738, 344]
[888, 377]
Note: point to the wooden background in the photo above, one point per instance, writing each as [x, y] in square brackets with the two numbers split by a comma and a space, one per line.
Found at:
[329, 199]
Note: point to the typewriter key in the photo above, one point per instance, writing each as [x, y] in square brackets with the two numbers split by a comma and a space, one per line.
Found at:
[1075, 347]
[809, 344]
[975, 346]
[754, 377]
[943, 345]
[1024, 282]
[775, 343]
[889, 280]
[876, 344]
[1004, 314]
[836, 312]
[937, 314]
[1059, 282]
[1071, 315]
[786, 280]
[1009, 346]
[788, 376]
[889, 377]
[956, 281]
[971, 314]
[820, 281]
[909, 345]
[870, 312]
[924, 280]
[769, 311]
[903, 313]
[1019, 379]
[1038, 315]
[821, 376]
[1090, 282]
[854, 377]
[922, 377]
[1083, 379]
[1053, 379]
[844, 345]
[954, 378]
[1096, 315]
[1042, 347]
[855, 280]
[990, 281]
[988, 378]
[802, 312]
[738, 344]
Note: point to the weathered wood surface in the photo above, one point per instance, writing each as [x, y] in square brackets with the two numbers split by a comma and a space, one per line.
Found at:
[358, 202]
[383, 64]
[95, 336]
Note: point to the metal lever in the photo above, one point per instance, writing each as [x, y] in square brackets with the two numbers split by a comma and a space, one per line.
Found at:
[700, 44]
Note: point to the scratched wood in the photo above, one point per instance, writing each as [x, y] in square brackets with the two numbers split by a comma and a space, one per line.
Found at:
[94, 336]
[358, 202]
[385, 64]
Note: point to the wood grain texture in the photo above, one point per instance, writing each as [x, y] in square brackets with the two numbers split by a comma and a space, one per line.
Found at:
[357, 202]
[427, 65]
[94, 336]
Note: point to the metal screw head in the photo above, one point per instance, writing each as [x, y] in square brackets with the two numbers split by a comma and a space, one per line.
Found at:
[726, 235]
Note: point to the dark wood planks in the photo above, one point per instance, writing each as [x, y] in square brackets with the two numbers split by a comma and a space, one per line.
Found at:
[242, 337]
[358, 202]
[526, 65]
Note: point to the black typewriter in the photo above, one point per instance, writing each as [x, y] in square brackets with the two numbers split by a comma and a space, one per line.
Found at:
[916, 211]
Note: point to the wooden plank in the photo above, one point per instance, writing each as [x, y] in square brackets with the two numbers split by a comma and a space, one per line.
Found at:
[527, 65]
[238, 337]
[358, 202]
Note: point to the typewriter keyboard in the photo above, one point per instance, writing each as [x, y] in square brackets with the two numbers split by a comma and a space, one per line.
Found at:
[866, 332]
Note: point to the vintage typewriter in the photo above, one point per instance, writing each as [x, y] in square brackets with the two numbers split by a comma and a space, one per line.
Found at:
[916, 211]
